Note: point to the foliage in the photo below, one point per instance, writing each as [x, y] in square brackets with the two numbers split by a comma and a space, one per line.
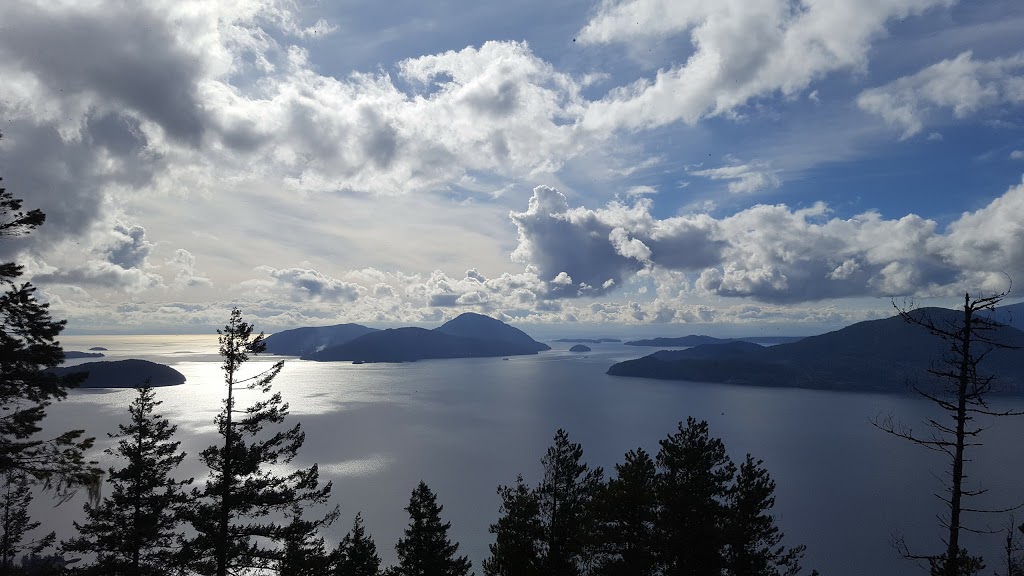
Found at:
[135, 530]
[233, 514]
[16, 523]
[518, 533]
[628, 512]
[356, 554]
[425, 549]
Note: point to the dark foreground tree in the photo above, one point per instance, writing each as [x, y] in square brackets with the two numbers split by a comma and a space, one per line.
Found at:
[694, 473]
[303, 550]
[516, 550]
[356, 554]
[628, 511]
[234, 514]
[970, 336]
[135, 530]
[15, 497]
[753, 539]
[566, 494]
[28, 348]
[425, 549]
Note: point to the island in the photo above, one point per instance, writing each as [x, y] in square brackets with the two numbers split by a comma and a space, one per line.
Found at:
[469, 335]
[887, 355]
[75, 354]
[301, 341]
[580, 348]
[98, 349]
[700, 340]
[588, 340]
[123, 374]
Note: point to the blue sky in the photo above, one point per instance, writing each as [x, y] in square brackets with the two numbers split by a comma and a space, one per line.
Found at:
[652, 166]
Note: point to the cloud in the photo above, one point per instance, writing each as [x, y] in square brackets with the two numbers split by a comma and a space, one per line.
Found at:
[743, 178]
[741, 51]
[1017, 155]
[962, 84]
[305, 284]
[187, 275]
[121, 264]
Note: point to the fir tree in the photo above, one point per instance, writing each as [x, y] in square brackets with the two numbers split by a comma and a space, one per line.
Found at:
[135, 530]
[15, 498]
[233, 514]
[425, 550]
[356, 554]
[518, 533]
[28, 348]
[754, 540]
[303, 552]
[628, 510]
[694, 474]
[566, 495]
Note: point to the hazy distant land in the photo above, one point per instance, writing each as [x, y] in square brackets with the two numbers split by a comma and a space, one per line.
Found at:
[124, 374]
[588, 340]
[700, 340]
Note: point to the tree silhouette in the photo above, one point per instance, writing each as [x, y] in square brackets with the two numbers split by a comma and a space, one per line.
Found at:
[628, 511]
[566, 495]
[971, 335]
[356, 554]
[28, 348]
[518, 533]
[135, 530]
[694, 473]
[15, 497]
[303, 551]
[233, 514]
[425, 549]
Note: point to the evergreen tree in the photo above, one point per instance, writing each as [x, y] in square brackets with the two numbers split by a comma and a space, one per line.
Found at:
[356, 554]
[425, 550]
[135, 530]
[28, 348]
[15, 498]
[566, 494]
[628, 510]
[303, 551]
[694, 473]
[518, 533]
[754, 540]
[233, 514]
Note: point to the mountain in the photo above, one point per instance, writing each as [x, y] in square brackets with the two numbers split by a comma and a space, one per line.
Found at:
[588, 340]
[75, 354]
[467, 336]
[1010, 314]
[683, 341]
[124, 374]
[877, 355]
[308, 340]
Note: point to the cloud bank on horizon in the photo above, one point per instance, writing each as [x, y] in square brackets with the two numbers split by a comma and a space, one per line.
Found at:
[632, 162]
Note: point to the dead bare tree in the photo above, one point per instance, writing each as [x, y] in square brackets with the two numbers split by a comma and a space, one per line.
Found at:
[961, 391]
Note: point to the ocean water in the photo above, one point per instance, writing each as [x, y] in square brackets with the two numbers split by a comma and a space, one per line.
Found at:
[465, 426]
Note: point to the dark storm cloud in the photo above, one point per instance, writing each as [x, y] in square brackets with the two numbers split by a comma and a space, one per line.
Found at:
[123, 54]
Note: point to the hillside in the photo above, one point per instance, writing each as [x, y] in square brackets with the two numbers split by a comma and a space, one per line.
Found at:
[301, 341]
[124, 374]
[467, 336]
[877, 355]
[700, 340]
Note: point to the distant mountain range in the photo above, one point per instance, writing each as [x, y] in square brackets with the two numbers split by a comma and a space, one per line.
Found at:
[467, 336]
[877, 355]
[123, 374]
[695, 340]
[302, 341]
[76, 354]
[588, 340]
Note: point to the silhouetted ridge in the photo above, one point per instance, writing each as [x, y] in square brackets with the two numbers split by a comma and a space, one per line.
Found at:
[469, 335]
[124, 374]
[700, 340]
[301, 341]
[878, 355]
[76, 354]
[580, 348]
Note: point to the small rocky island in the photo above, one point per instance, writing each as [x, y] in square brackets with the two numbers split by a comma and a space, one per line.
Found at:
[580, 348]
[98, 349]
[75, 354]
[123, 374]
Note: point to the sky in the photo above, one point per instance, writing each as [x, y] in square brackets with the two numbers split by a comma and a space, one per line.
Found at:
[653, 166]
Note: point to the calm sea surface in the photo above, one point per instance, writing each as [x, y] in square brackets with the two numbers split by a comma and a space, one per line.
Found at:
[466, 426]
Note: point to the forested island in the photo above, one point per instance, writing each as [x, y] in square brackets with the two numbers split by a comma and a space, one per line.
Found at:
[122, 374]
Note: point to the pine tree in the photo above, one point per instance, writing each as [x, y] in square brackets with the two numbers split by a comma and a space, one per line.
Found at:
[135, 530]
[694, 473]
[356, 554]
[425, 550]
[304, 552]
[233, 514]
[754, 541]
[628, 511]
[28, 348]
[518, 533]
[566, 495]
[15, 498]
